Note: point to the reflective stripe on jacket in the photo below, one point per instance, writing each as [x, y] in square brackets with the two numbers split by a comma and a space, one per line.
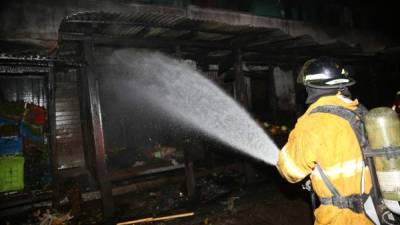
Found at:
[328, 140]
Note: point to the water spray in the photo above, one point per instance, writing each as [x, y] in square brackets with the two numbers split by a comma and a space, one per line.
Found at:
[177, 89]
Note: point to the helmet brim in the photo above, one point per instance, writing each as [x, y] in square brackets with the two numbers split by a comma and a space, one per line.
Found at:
[331, 83]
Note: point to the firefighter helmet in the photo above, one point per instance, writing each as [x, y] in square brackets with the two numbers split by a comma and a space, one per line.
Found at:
[324, 73]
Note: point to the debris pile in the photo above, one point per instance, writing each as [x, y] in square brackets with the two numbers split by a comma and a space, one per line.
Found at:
[49, 217]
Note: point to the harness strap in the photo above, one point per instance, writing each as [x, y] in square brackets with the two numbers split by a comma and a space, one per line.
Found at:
[327, 182]
[353, 202]
[354, 118]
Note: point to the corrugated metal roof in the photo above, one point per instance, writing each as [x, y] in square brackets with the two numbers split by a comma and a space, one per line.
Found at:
[109, 23]
[35, 60]
[179, 29]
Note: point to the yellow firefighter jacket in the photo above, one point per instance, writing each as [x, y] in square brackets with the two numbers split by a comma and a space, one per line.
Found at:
[328, 140]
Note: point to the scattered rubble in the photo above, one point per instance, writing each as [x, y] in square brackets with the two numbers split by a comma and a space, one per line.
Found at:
[52, 218]
[223, 198]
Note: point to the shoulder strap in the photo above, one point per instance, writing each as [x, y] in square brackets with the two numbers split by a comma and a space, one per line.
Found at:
[353, 117]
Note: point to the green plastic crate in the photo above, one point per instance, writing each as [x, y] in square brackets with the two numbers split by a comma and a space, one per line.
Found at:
[11, 173]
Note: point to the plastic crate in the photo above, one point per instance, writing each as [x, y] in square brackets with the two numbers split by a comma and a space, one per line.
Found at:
[6, 121]
[11, 173]
[10, 146]
[31, 132]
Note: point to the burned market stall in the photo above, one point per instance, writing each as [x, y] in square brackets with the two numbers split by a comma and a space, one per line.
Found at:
[24, 127]
[143, 111]
[27, 130]
[127, 139]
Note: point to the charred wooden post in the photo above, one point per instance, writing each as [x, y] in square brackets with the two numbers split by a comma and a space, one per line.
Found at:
[189, 173]
[98, 137]
[87, 137]
[241, 93]
[52, 128]
[242, 96]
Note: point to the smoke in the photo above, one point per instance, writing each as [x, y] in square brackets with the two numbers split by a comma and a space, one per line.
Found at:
[174, 89]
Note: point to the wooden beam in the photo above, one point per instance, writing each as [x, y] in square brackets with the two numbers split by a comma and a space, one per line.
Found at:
[144, 42]
[148, 184]
[51, 94]
[129, 24]
[189, 173]
[141, 171]
[97, 130]
[87, 136]
[152, 219]
[240, 85]
[270, 41]
[246, 39]
[263, 45]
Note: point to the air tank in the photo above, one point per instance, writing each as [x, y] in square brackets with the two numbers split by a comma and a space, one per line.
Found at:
[383, 131]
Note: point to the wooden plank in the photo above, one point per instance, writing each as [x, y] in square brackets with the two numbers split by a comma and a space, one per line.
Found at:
[75, 118]
[64, 92]
[140, 171]
[73, 108]
[71, 140]
[74, 130]
[69, 126]
[68, 122]
[148, 184]
[70, 146]
[152, 219]
[73, 97]
[68, 118]
[69, 113]
[67, 104]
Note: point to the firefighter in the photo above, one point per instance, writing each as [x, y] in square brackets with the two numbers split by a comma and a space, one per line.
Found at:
[325, 147]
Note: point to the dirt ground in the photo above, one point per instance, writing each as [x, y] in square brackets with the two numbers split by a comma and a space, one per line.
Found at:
[225, 198]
